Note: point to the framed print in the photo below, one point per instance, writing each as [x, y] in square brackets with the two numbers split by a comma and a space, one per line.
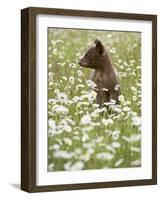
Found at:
[88, 99]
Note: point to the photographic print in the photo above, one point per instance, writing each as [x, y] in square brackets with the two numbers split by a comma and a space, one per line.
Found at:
[88, 99]
[94, 99]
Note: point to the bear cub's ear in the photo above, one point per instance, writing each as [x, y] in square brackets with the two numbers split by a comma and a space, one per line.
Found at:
[99, 46]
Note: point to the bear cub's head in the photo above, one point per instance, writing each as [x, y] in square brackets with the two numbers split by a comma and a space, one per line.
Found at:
[94, 56]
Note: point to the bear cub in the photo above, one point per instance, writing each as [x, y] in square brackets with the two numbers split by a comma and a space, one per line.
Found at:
[103, 74]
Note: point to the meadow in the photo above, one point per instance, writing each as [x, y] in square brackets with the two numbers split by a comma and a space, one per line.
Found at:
[81, 135]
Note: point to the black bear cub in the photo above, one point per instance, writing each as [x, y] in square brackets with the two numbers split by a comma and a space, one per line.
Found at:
[104, 76]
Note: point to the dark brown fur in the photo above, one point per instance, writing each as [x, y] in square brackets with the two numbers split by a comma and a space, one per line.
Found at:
[98, 59]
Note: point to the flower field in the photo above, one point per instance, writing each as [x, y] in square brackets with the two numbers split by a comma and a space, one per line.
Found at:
[82, 135]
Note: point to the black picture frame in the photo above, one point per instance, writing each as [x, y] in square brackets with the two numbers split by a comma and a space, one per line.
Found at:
[28, 98]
